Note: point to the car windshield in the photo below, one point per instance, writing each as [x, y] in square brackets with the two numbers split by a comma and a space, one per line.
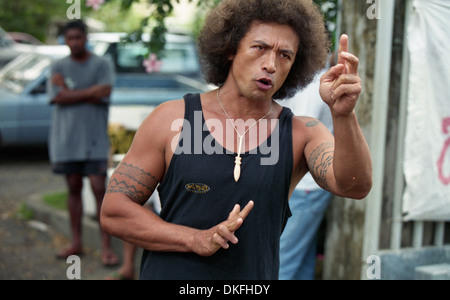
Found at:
[177, 57]
[22, 71]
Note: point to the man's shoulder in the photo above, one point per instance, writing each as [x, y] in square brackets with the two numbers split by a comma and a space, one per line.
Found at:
[61, 61]
[98, 57]
[165, 115]
[99, 60]
[305, 122]
[165, 121]
[172, 110]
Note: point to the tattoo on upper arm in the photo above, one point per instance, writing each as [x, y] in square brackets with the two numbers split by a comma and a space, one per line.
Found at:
[141, 177]
[320, 161]
[141, 191]
[313, 123]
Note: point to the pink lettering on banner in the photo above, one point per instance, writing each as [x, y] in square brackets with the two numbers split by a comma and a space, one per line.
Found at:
[444, 178]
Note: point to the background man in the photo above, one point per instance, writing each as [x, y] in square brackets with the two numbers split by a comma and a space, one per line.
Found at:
[80, 87]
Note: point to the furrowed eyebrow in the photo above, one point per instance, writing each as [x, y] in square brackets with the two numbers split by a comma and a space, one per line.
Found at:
[285, 51]
[289, 52]
[262, 43]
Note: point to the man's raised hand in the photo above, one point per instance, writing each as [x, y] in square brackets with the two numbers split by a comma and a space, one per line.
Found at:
[341, 86]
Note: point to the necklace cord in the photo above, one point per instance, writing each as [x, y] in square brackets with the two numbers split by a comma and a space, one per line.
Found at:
[238, 160]
[231, 120]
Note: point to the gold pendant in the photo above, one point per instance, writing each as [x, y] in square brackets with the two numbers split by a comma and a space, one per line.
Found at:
[237, 168]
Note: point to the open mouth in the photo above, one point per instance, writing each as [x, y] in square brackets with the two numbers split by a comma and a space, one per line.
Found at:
[264, 83]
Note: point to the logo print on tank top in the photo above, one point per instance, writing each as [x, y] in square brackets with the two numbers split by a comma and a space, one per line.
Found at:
[198, 188]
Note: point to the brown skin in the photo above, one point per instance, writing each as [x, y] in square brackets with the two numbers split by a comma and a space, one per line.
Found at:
[266, 53]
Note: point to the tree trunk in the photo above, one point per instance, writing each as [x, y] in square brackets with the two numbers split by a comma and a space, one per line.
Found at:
[345, 217]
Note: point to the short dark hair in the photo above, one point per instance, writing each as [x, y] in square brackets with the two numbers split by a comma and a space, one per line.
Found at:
[76, 24]
[228, 23]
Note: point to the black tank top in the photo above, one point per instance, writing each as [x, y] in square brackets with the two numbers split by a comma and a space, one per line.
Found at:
[199, 191]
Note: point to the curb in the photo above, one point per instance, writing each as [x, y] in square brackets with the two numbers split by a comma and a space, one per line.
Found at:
[59, 221]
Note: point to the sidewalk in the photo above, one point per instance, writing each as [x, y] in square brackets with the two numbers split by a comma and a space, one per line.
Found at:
[29, 246]
[49, 218]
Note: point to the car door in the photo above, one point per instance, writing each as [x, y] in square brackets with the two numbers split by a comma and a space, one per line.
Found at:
[35, 113]
[9, 117]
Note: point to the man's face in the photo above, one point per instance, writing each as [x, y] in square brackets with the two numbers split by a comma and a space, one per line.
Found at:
[264, 59]
[76, 40]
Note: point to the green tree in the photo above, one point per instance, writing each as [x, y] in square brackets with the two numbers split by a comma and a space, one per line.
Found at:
[330, 11]
[32, 17]
[161, 9]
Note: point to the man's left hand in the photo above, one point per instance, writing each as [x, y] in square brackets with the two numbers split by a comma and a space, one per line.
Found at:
[340, 87]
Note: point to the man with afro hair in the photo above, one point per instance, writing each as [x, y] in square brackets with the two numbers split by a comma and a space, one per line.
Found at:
[226, 161]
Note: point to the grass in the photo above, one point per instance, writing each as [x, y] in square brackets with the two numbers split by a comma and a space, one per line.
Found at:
[24, 213]
[56, 200]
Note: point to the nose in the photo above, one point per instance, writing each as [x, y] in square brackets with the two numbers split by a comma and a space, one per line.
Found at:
[269, 62]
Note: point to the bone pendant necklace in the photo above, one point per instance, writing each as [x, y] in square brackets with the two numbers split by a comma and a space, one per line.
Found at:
[238, 160]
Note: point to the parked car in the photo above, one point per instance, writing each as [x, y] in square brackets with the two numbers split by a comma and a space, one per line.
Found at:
[9, 49]
[180, 72]
[25, 113]
[25, 38]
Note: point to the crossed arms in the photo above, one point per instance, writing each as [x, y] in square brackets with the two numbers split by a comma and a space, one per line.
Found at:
[94, 94]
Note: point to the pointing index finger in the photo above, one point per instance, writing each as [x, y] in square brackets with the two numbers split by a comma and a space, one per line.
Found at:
[347, 59]
[343, 47]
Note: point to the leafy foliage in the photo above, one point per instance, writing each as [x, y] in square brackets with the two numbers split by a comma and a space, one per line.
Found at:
[163, 8]
[34, 16]
[31, 17]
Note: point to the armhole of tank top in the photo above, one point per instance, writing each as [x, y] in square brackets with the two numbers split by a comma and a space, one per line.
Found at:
[174, 156]
[289, 117]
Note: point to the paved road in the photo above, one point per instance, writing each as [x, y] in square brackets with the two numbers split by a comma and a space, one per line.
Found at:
[27, 248]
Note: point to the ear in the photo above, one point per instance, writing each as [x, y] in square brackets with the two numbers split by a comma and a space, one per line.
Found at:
[231, 57]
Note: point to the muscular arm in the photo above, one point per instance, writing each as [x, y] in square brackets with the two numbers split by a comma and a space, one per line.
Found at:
[136, 178]
[341, 164]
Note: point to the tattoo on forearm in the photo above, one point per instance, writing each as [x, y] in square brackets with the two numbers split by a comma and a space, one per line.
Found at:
[313, 123]
[146, 183]
[320, 161]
